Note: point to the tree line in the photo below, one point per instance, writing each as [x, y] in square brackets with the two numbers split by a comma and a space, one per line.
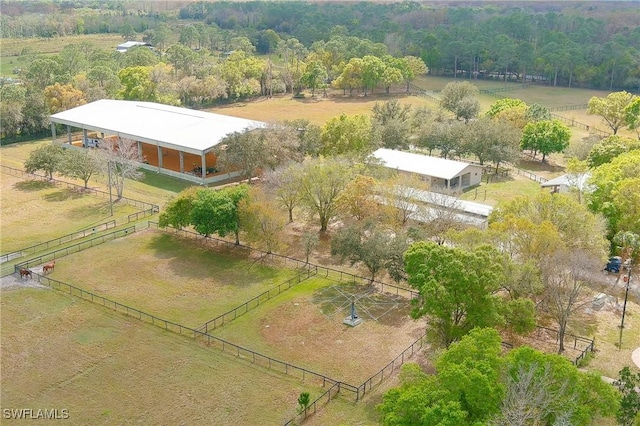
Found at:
[595, 47]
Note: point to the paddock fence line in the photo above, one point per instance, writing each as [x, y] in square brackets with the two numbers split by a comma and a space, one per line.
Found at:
[583, 126]
[132, 202]
[583, 344]
[314, 406]
[212, 341]
[57, 241]
[532, 176]
[569, 107]
[388, 369]
[325, 271]
[74, 248]
[253, 303]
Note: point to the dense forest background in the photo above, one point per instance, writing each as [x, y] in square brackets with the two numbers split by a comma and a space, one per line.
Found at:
[582, 44]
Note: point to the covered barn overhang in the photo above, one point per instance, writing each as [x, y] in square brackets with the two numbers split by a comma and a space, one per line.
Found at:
[166, 127]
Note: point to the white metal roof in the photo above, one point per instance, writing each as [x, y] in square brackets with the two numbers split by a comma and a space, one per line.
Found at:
[129, 44]
[184, 129]
[579, 180]
[453, 203]
[420, 164]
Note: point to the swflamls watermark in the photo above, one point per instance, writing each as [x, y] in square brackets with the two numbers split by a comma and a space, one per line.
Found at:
[35, 413]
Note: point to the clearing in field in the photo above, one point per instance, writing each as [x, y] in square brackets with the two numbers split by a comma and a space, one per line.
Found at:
[170, 277]
[34, 211]
[104, 367]
[305, 327]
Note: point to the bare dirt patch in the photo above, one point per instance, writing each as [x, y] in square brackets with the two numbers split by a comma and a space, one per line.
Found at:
[308, 330]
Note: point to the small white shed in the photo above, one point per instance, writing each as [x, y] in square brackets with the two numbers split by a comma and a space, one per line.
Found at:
[438, 172]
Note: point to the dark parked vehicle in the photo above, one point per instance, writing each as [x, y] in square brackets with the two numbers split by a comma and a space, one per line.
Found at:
[614, 265]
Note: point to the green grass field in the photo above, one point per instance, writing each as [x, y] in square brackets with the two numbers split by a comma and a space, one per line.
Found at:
[106, 368]
[173, 278]
[12, 49]
[34, 211]
[152, 187]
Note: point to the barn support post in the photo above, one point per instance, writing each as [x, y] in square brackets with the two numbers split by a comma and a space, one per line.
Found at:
[159, 158]
[140, 155]
[84, 136]
[69, 134]
[53, 132]
[181, 162]
[204, 166]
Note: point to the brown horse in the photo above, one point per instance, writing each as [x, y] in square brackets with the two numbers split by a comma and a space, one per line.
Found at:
[25, 273]
[48, 267]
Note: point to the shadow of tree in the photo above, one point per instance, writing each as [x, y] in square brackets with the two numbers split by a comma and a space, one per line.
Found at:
[63, 195]
[33, 185]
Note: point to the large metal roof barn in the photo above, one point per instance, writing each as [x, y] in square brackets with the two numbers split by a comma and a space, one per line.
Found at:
[438, 172]
[168, 137]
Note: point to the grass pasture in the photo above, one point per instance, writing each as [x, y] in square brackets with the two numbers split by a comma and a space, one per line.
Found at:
[317, 110]
[34, 211]
[106, 368]
[179, 280]
[170, 277]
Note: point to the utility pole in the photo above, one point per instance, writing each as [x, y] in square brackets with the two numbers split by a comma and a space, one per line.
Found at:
[624, 306]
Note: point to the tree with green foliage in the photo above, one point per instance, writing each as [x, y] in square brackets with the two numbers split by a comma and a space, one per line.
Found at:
[322, 181]
[261, 221]
[503, 104]
[456, 287]
[546, 137]
[47, 158]
[127, 32]
[258, 149]
[632, 115]
[138, 56]
[368, 244]
[413, 67]
[461, 99]
[612, 108]
[534, 227]
[536, 112]
[346, 134]
[609, 148]
[616, 188]
[465, 391]
[11, 108]
[137, 84]
[177, 212]
[216, 211]
[391, 125]
[79, 164]
[314, 76]
[303, 401]
[476, 384]
[628, 384]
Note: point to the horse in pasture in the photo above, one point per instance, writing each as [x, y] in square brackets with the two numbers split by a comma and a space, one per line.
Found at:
[25, 273]
[48, 267]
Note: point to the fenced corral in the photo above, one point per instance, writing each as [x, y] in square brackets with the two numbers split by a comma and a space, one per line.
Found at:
[212, 341]
[290, 262]
[75, 248]
[234, 313]
[315, 405]
[58, 241]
